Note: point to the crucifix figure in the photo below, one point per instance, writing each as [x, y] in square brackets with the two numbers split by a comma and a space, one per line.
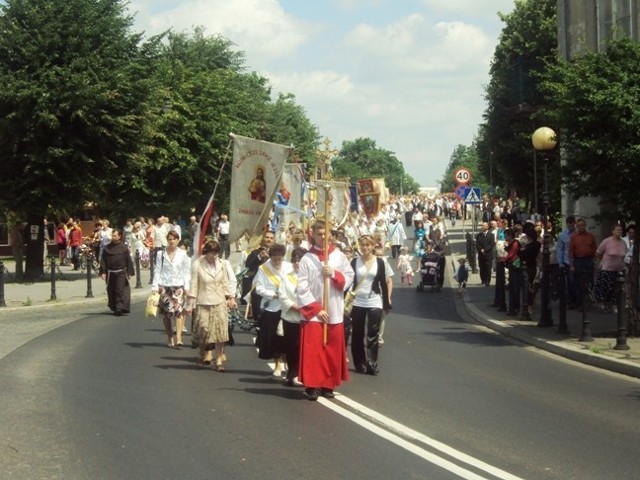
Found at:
[324, 160]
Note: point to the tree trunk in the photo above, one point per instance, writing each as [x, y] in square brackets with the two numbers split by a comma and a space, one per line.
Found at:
[34, 236]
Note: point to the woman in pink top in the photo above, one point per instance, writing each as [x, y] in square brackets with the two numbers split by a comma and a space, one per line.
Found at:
[611, 254]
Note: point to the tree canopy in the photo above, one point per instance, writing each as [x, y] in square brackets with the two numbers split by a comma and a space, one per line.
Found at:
[362, 158]
[92, 114]
[595, 103]
[72, 102]
[527, 42]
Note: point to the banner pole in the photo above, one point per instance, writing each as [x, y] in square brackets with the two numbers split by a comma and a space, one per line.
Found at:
[327, 282]
[204, 218]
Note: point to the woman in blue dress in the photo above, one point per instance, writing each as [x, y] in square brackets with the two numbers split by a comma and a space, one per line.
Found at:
[419, 243]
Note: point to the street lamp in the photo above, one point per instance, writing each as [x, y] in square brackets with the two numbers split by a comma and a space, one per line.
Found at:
[544, 140]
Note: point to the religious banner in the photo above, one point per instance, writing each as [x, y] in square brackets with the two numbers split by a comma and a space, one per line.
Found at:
[382, 190]
[289, 205]
[369, 195]
[256, 176]
[338, 200]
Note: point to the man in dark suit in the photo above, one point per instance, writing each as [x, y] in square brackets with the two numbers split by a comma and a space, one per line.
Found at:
[485, 243]
[256, 258]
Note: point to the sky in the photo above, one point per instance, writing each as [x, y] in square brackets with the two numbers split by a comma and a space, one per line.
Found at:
[409, 74]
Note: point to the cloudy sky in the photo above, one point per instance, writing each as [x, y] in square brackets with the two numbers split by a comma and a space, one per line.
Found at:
[409, 74]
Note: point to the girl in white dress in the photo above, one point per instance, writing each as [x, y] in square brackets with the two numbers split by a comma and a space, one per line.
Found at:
[404, 265]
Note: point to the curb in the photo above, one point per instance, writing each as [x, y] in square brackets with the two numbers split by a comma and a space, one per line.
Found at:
[102, 298]
[581, 355]
[560, 348]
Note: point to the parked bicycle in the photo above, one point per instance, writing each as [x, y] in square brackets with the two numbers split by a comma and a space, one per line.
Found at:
[86, 255]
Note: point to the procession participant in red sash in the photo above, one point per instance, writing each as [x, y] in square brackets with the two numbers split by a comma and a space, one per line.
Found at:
[323, 360]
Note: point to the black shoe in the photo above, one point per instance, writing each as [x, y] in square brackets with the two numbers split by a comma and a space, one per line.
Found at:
[372, 371]
[502, 309]
[118, 312]
[512, 314]
[327, 393]
[361, 369]
[312, 394]
[288, 382]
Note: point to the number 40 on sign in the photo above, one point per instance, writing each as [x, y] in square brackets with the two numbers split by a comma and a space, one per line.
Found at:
[463, 176]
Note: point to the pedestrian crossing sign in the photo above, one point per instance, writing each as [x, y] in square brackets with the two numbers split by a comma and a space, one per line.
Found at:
[473, 196]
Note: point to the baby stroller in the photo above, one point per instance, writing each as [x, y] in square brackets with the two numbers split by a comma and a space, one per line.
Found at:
[432, 266]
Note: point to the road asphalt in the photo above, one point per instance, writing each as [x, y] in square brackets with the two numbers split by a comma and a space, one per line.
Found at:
[473, 302]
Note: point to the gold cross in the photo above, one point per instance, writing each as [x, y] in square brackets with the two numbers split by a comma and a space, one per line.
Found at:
[324, 160]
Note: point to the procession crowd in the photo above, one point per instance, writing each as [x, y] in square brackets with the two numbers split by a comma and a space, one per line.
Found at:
[312, 292]
[294, 285]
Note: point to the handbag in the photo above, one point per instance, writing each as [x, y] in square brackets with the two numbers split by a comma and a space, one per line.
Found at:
[348, 301]
[151, 310]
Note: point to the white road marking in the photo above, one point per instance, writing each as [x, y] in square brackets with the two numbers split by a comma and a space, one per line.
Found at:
[384, 427]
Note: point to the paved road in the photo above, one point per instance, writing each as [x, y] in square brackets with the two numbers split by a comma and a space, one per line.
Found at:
[101, 397]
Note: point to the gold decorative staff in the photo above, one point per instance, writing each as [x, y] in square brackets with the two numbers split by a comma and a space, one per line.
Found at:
[324, 162]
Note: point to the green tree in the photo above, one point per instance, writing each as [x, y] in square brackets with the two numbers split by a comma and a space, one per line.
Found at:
[200, 95]
[361, 158]
[70, 106]
[527, 42]
[467, 157]
[287, 123]
[595, 103]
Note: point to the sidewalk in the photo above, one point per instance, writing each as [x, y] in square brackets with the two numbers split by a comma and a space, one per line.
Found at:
[71, 288]
[477, 300]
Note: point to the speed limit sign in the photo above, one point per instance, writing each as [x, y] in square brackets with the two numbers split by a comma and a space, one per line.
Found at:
[462, 175]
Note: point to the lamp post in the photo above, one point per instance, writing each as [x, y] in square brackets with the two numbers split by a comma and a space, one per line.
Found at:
[544, 140]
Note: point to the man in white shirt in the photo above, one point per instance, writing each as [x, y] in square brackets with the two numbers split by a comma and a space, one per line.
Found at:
[417, 216]
[160, 233]
[223, 236]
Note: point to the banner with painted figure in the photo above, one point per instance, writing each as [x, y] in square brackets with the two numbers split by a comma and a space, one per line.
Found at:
[256, 176]
[290, 198]
[337, 196]
[372, 193]
[369, 196]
